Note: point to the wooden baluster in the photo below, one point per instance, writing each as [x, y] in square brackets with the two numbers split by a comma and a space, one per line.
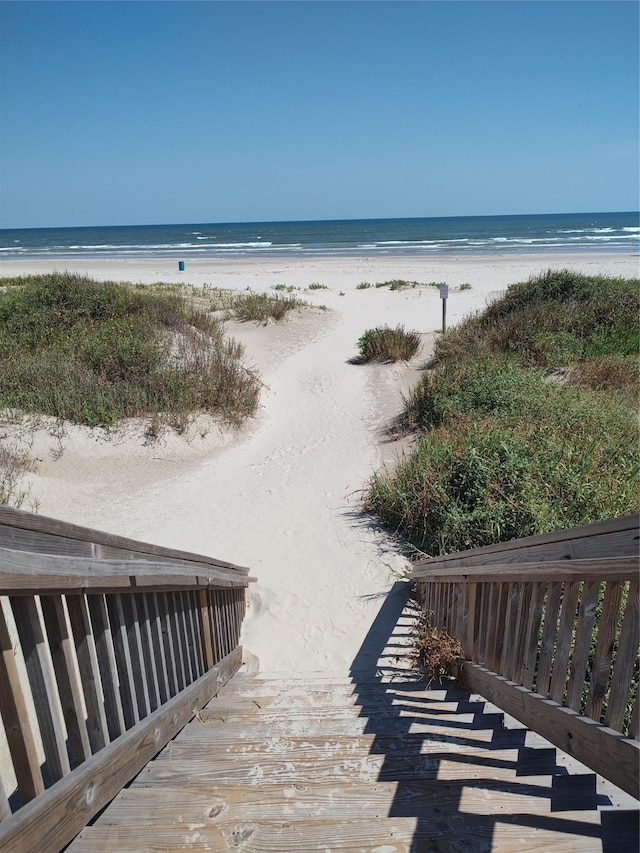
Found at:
[17, 722]
[5, 809]
[178, 645]
[43, 685]
[509, 635]
[564, 642]
[471, 634]
[582, 645]
[109, 675]
[205, 628]
[166, 620]
[69, 688]
[147, 651]
[194, 613]
[534, 621]
[87, 658]
[182, 606]
[547, 643]
[158, 646]
[128, 695]
[607, 627]
[626, 657]
[483, 623]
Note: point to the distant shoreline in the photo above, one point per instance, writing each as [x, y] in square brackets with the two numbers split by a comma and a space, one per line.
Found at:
[427, 237]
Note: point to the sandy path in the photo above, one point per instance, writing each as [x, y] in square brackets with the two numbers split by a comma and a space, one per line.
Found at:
[282, 498]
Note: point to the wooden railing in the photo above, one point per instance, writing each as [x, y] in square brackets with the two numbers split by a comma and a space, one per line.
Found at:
[108, 647]
[549, 626]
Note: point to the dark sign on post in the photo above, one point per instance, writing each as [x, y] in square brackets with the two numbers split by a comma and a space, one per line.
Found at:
[444, 293]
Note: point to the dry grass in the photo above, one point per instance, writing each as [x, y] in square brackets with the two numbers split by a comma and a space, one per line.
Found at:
[435, 653]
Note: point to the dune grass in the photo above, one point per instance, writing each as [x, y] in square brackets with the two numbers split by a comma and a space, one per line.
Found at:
[95, 353]
[503, 448]
[261, 307]
[386, 344]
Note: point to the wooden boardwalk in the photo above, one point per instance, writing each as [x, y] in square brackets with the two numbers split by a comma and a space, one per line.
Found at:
[328, 764]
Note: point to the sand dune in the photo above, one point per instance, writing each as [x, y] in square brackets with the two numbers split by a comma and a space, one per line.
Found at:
[282, 496]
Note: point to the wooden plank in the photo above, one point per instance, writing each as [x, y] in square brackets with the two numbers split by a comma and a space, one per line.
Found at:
[489, 628]
[194, 632]
[16, 719]
[610, 569]
[607, 628]
[205, 628]
[5, 810]
[140, 678]
[173, 621]
[40, 524]
[616, 537]
[520, 603]
[626, 657]
[42, 682]
[107, 664]
[56, 816]
[167, 643]
[126, 681]
[137, 807]
[532, 634]
[20, 539]
[603, 750]
[564, 641]
[548, 639]
[28, 571]
[69, 688]
[580, 656]
[87, 658]
[141, 603]
[509, 643]
[471, 637]
[567, 832]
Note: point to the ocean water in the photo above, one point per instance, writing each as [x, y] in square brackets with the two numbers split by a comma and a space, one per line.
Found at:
[459, 235]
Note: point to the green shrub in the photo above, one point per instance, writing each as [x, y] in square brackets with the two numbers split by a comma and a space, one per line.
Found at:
[507, 449]
[261, 307]
[386, 344]
[96, 352]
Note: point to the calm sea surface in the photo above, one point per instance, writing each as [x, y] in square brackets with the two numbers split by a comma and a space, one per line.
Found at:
[459, 235]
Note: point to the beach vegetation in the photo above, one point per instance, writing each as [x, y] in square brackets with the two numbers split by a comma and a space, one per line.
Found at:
[364, 285]
[526, 422]
[260, 307]
[386, 344]
[14, 465]
[315, 285]
[288, 288]
[95, 353]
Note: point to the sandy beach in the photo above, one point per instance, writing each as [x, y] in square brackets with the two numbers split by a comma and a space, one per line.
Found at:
[282, 495]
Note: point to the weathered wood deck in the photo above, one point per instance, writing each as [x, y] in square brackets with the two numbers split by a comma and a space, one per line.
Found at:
[392, 767]
[119, 666]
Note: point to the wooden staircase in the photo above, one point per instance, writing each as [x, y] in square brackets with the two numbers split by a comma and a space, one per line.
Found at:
[341, 764]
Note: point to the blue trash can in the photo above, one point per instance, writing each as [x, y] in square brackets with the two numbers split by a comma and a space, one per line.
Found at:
[181, 266]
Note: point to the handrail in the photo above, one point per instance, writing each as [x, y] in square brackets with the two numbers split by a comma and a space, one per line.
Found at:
[107, 647]
[549, 625]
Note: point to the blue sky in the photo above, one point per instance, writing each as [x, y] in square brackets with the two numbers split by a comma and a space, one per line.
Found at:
[164, 112]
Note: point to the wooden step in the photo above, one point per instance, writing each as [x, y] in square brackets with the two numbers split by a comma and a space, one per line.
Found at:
[138, 805]
[272, 766]
[308, 767]
[564, 832]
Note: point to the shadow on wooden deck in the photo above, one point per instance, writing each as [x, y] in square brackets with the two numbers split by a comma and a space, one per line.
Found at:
[470, 777]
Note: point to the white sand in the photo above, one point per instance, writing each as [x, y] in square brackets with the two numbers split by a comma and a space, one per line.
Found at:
[282, 496]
